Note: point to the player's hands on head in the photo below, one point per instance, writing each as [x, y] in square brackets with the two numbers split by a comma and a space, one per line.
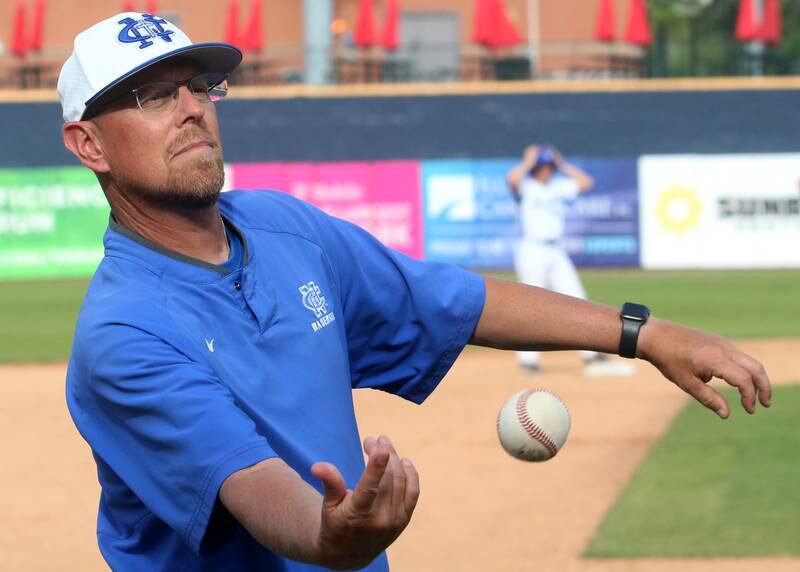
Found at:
[557, 156]
[358, 525]
[531, 154]
[691, 358]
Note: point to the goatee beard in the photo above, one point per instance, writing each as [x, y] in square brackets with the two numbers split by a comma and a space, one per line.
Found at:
[190, 189]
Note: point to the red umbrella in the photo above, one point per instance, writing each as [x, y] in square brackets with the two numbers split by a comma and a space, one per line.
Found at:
[253, 40]
[482, 22]
[151, 7]
[638, 30]
[128, 6]
[604, 28]
[365, 25]
[390, 38]
[505, 34]
[232, 23]
[37, 27]
[18, 46]
[746, 24]
[772, 29]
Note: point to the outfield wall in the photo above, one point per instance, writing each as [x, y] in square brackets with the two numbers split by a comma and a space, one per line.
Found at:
[323, 127]
[686, 178]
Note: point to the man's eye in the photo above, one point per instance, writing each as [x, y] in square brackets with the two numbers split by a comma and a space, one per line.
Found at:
[157, 96]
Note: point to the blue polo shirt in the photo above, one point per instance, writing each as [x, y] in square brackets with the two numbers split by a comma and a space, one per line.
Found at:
[184, 372]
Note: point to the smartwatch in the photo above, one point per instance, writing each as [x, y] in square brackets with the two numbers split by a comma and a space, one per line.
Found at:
[633, 317]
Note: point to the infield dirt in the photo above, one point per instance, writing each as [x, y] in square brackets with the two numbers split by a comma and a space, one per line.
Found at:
[480, 510]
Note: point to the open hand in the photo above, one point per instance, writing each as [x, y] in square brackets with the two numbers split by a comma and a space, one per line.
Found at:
[358, 525]
[691, 358]
[530, 155]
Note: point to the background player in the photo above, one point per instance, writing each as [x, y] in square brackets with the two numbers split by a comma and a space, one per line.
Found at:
[542, 183]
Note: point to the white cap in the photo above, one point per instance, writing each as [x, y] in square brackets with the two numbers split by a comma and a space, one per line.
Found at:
[115, 49]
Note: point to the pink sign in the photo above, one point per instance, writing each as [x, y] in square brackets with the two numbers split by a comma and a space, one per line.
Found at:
[382, 197]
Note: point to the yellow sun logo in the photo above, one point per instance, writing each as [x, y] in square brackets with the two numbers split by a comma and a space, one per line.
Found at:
[679, 209]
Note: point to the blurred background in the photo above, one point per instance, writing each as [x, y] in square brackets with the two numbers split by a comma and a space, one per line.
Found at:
[390, 41]
[404, 116]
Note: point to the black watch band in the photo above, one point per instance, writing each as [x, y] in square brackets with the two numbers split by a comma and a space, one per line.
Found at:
[633, 317]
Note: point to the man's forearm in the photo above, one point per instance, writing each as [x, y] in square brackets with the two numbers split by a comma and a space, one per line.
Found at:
[278, 508]
[521, 317]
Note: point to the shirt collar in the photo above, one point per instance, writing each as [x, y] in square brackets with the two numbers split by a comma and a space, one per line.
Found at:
[121, 241]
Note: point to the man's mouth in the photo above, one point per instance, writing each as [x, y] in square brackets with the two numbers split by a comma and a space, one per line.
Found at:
[202, 144]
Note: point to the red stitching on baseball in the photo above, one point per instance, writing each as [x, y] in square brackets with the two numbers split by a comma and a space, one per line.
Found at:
[530, 427]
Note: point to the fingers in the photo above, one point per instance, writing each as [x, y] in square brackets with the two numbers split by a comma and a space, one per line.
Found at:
[368, 519]
[691, 358]
[395, 488]
[368, 487]
[333, 484]
[400, 487]
[760, 377]
[412, 486]
[737, 376]
[749, 376]
[389, 483]
[708, 396]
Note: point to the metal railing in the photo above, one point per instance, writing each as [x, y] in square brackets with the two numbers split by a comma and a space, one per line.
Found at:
[281, 65]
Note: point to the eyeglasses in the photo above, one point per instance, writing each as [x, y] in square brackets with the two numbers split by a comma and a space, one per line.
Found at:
[163, 95]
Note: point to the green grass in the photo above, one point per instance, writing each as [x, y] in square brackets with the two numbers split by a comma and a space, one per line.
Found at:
[37, 319]
[735, 304]
[712, 488]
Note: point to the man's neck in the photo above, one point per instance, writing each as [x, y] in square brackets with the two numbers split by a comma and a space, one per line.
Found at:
[195, 232]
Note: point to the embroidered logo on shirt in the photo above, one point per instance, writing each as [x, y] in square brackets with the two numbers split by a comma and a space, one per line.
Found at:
[315, 301]
[210, 345]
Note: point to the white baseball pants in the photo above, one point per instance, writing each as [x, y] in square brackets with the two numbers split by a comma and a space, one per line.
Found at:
[547, 266]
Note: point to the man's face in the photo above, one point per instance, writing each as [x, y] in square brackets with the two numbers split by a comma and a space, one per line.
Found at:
[545, 172]
[171, 157]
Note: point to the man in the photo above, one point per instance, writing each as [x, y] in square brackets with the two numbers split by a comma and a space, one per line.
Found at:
[542, 183]
[221, 337]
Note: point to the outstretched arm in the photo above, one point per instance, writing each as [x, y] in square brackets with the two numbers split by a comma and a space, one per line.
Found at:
[517, 316]
[342, 529]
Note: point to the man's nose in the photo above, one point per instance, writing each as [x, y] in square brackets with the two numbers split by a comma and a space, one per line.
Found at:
[188, 106]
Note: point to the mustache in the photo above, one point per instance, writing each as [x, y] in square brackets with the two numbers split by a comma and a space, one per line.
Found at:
[192, 135]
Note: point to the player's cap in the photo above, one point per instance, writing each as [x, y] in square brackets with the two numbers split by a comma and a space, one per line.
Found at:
[546, 157]
[108, 54]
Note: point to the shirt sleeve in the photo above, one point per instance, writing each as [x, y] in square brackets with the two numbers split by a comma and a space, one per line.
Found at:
[164, 424]
[406, 320]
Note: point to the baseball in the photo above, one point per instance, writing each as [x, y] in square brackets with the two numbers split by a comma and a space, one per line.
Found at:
[533, 425]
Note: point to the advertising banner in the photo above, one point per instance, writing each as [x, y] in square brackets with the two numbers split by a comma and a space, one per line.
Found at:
[472, 220]
[381, 197]
[720, 211]
[51, 222]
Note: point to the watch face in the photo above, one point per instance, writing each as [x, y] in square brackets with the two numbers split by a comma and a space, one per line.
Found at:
[632, 311]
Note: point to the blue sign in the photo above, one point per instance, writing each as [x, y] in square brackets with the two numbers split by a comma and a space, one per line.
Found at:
[471, 219]
[602, 225]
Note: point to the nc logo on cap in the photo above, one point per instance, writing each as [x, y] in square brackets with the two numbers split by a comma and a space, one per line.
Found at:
[143, 30]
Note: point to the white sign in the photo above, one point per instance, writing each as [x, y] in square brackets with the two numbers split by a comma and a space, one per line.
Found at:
[720, 211]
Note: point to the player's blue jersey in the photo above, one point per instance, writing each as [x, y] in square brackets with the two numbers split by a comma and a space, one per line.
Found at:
[183, 372]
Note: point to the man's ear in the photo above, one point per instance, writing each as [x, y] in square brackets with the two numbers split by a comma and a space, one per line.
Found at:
[82, 139]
